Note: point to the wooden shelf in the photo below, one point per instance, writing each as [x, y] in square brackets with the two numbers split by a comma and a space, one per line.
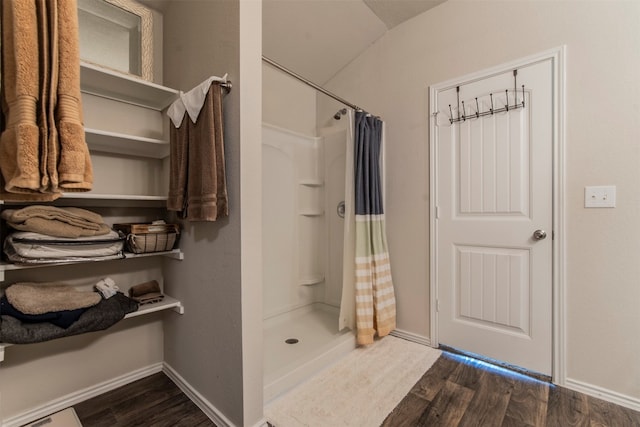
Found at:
[118, 143]
[123, 87]
[168, 303]
[7, 266]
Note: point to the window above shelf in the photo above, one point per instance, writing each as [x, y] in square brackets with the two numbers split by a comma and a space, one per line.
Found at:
[106, 83]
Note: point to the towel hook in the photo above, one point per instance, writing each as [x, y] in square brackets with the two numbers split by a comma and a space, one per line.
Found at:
[458, 96]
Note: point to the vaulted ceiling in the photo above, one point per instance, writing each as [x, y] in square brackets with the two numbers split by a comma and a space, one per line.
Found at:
[317, 38]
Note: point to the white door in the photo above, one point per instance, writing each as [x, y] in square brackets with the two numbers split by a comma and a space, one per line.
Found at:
[494, 182]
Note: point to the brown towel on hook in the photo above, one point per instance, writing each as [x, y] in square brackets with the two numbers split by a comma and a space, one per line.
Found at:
[197, 184]
[42, 146]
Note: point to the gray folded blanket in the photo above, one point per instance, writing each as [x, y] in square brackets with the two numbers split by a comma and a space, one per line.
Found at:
[99, 317]
[54, 221]
[40, 298]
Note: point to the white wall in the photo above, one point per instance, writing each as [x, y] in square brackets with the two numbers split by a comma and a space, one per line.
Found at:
[287, 103]
[602, 147]
[293, 244]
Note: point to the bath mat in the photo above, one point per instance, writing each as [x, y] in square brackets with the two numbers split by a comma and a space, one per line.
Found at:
[66, 418]
[359, 390]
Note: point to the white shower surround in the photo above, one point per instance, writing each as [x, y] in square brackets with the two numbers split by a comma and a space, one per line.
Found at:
[303, 182]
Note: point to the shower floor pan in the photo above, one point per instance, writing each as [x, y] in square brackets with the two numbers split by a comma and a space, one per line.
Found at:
[319, 345]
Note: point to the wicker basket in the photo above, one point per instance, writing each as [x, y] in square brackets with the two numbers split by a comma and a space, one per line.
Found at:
[145, 238]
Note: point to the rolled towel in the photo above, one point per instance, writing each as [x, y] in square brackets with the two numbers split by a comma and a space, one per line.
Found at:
[107, 287]
[40, 298]
[147, 292]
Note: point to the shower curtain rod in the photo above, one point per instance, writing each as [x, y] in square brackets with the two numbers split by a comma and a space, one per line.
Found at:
[309, 83]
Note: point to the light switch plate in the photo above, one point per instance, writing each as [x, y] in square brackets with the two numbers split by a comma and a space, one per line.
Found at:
[601, 196]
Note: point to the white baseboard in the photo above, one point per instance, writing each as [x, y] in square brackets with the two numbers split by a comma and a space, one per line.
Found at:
[201, 402]
[410, 336]
[603, 393]
[80, 396]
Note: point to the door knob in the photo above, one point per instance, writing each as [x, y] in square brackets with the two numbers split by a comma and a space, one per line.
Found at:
[539, 235]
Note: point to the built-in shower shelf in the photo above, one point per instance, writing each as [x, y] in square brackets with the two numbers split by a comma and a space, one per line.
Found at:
[311, 213]
[312, 182]
[312, 280]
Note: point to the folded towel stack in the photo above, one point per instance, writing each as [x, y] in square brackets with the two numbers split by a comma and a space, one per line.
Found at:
[146, 293]
[20, 328]
[55, 303]
[57, 222]
[52, 235]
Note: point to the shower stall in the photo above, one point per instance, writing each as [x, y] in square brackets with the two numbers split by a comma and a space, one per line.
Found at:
[303, 194]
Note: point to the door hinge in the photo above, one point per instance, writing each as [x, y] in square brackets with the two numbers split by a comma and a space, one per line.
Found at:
[437, 212]
[437, 305]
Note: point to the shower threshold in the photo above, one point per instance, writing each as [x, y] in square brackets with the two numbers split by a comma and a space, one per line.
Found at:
[318, 345]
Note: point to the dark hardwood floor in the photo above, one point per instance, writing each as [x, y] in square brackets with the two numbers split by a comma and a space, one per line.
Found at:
[455, 392]
[152, 401]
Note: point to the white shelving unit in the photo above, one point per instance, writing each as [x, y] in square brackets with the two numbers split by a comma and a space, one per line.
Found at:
[167, 303]
[129, 89]
[6, 266]
[103, 200]
[118, 143]
[124, 87]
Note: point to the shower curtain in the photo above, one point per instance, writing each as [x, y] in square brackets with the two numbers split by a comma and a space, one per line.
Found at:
[366, 261]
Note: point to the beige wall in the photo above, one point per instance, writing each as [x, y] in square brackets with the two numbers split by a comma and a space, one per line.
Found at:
[602, 148]
[220, 332]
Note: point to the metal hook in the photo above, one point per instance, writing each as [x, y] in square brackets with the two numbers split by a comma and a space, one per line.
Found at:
[458, 96]
[464, 112]
[491, 96]
[506, 93]
[451, 114]
[477, 109]
[522, 96]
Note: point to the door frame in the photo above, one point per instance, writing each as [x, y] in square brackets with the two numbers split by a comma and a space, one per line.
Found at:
[558, 58]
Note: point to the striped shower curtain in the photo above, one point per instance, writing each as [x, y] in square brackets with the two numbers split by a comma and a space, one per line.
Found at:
[374, 294]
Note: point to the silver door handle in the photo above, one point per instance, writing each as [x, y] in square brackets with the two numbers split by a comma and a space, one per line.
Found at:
[539, 235]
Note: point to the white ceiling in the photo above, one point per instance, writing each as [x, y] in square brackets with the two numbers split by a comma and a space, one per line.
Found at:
[317, 38]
